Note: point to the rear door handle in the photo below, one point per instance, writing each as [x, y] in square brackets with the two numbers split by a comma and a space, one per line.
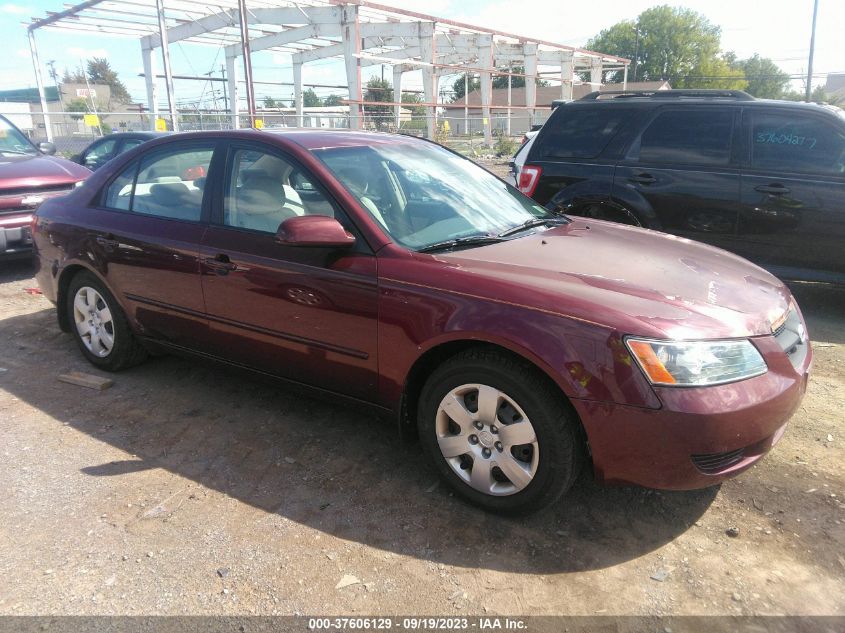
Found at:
[776, 189]
[643, 179]
[220, 263]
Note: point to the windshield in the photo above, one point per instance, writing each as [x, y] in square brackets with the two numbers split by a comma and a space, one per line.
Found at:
[423, 194]
[12, 141]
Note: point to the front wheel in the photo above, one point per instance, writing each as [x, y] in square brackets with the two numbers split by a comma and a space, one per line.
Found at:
[100, 326]
[502, 437]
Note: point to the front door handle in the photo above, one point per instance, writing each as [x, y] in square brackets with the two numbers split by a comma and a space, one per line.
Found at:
[221, 264]
[643, 179]
[775, 189]
[107, 241]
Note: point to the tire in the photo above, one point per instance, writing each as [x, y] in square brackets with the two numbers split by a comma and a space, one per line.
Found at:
[609, 213]
[548, 466]
[99, 325]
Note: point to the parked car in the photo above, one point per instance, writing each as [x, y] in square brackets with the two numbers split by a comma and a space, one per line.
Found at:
[29, 174]
[518, 159]
[764, 179]
[107, 147]
[389, 271]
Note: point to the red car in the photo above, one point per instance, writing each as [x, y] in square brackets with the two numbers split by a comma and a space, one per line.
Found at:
[390, 271]
[28, 176]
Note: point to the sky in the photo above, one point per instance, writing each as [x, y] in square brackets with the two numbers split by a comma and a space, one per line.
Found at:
[777, 29]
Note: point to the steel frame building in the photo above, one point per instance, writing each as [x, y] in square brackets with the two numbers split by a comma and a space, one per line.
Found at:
[361, 32]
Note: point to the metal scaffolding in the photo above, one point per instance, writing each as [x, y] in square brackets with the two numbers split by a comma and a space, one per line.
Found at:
[362, 33]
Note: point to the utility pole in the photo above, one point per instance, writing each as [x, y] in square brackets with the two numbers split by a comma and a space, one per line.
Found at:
[636, 47]
[809, 90]
[225, 90]
[55, 76]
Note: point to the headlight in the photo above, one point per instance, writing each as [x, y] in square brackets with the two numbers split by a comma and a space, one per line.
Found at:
[696, 363]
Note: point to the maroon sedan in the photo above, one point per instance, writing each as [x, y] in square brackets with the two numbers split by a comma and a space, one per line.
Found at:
[390, 271]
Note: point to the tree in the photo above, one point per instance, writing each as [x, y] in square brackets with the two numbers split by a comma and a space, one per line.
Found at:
[270, 102]
[817, 96]
[411, 98]
[675, 44]
[332, 100]
[765, 78]
[100, 72]
[75, 77]
[499, 81]
[458, 86]
[77, 105]
[310, 99]
[379, 90]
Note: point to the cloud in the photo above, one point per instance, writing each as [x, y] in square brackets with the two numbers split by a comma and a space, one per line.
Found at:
[16, 78]
[87, 53]
[14, 9]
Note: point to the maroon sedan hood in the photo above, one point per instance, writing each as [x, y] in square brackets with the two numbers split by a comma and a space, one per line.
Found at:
[38, 170]
[634, 280]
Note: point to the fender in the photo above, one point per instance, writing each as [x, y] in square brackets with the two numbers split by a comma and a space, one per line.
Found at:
[604, 193]
[63, 276]
[632, 200]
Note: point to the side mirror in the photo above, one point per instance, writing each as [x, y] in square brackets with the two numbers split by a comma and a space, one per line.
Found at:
[314, 230]
[45, 147]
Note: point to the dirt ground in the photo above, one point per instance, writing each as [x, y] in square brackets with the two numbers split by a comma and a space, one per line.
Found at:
[190, 489]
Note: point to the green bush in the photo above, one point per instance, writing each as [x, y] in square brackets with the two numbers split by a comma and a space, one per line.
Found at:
[505, 146]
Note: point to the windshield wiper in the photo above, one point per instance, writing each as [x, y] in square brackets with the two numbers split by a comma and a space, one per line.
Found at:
[530, 224]
[16, 151]
[472, 240]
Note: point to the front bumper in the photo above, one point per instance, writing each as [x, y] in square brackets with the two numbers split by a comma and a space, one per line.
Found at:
[15, 236]
[701, 435]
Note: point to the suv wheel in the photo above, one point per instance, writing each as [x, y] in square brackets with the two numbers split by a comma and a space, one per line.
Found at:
[497, 433]
[100, 326]
[609, 213]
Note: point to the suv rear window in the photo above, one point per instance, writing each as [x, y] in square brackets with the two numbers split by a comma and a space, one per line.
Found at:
[687, 137]
[580, 132]
[794, 143]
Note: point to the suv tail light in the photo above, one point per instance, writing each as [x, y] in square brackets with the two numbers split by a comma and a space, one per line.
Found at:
[529, 176]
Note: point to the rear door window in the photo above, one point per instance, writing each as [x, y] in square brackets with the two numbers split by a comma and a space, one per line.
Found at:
[580, 132]
[793, 142]
[168, 184]
[687, 136]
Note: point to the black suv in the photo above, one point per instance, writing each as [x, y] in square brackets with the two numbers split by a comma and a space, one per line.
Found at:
[764, 179]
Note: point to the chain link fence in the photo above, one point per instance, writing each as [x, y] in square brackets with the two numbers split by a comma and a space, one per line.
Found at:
[73, 132]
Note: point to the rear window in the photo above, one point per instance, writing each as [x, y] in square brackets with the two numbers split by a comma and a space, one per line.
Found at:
[583, 132]
[796, 143]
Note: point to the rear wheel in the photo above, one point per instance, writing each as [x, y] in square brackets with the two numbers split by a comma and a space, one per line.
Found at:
[99, 325]
[498, 433]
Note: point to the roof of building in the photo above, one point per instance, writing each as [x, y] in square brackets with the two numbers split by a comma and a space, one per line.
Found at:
[28, 95]
[835, 85]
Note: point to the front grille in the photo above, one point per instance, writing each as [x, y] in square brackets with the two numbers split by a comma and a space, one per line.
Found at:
[11, 200]
[34, 191]
[793, 339]
[713, 463]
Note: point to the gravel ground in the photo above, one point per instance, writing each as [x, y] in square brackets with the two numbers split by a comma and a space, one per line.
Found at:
[190, 489]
